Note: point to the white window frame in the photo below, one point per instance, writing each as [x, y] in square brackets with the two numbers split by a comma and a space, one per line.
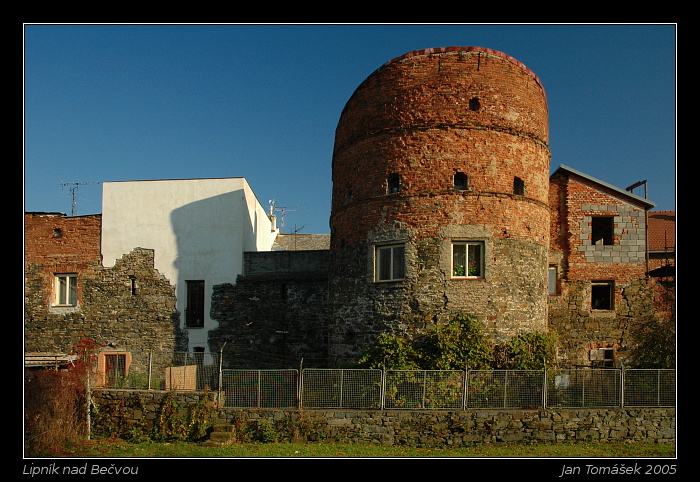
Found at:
[456, 264]
[65, 291]
[397, 263]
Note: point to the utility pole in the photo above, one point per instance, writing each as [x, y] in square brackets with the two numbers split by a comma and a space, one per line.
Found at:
[631, 189]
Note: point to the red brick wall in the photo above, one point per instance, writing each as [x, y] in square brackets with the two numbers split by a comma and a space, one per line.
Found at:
[420, 126]
[61, 244]
[418, 117]
[580, 200]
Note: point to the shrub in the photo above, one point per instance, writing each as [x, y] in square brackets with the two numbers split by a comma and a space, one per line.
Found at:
[454, 346]
[390, 352]
[527, 351]
[458, 345]
[55, 409]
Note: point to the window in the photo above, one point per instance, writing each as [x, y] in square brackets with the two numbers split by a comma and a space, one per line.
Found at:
[602, 293]
[390, 264]
[552, 280]
[194, 312]
[602, 357]
[461, 183]
[602, 230]
[66, 289]
[393, 184]
[474, 104]
[468, 259]
[518, 186]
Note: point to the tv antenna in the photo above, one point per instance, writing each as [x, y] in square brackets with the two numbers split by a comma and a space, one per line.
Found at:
[283, 210]
[73, 188]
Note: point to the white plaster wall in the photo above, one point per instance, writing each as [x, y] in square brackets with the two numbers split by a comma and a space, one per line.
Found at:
[198, 229]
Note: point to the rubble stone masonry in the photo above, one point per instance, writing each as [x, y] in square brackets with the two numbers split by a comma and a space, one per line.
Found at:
[129, 307]
[434, 148]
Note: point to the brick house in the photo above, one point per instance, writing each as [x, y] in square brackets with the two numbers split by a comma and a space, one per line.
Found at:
[127, 309]
[599, 291]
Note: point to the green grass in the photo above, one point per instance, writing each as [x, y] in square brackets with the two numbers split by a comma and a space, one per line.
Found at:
[120, 448]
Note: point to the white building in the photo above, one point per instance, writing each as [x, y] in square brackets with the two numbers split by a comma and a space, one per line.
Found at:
[198, 229]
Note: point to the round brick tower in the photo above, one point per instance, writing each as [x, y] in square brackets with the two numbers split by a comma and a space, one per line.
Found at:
[440, 187]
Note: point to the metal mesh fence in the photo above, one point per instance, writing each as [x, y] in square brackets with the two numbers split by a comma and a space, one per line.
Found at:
[584, 388]
[341, 388]
[260, 388]
[505, 388]
[649, 388]
[401, 389]
[423, 389]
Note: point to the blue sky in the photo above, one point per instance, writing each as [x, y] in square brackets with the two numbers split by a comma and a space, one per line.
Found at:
[134, 102]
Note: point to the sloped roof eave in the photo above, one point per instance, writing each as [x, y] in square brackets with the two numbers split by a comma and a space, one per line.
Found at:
[638, 199]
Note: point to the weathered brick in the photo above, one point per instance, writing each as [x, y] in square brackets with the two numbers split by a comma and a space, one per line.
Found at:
[427, 117]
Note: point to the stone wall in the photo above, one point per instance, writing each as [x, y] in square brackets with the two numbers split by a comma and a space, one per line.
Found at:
[581, 329]
[426, 428]
[126, 308]
[276, 314]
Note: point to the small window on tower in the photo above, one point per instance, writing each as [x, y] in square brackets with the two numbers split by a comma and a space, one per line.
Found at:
[518, 186]
[552, 280]
[194, 311]
[474, 104]
[461, 183]
[393, 183]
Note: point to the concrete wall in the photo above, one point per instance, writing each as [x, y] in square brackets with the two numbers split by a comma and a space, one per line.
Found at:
[199, 229]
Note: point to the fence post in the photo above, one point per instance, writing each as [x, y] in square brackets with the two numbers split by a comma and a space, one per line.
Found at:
[383, 387]
[221, 398]
[150, 367]
[465, 385]
[544, 388]
[622, 386]
[300, 384]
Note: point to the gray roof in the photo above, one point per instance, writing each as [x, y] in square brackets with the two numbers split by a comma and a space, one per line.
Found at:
[645, 202]
[301, 242]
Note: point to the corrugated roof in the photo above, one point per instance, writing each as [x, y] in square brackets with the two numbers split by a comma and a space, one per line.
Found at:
[48, 359]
